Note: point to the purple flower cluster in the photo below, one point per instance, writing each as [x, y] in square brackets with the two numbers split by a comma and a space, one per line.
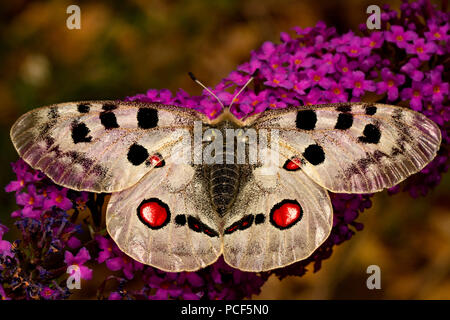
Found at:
[405, 60]
[35, 266]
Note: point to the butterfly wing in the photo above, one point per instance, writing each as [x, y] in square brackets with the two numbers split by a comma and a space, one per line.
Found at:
[354, 147]
[100, 146]
[279, 217]
[166, 220]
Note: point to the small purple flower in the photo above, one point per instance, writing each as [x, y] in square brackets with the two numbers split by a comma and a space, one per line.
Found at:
[73, 242]
[301, 85]
[411, 68]
[414, 94]
[399, 36]
[300, 59]
[266, 51]
[251, 66]
[79, 260]
[124, 263]
[436, 89]
[357, 82]
[437, 33]
[210, 107]
[277, 78]
[315, 96]
[390, 83]
[318, 77]
[421, 49]
[344, 66]
[237, 78]
[274, 103]
[354, 48]
[47, 293]
[256, 102]
[115, 296]
[58, 198]
[375, 40]
[115, 259]
[328, 61]
[24, 176]
[336, 93]
[106, 248]
[5, 246]
[31, 201]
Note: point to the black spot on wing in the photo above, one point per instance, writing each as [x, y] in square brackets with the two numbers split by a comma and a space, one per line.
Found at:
[198, 226]
[109, 107]
[147, 118]
[371, 110]
[260, 218]
[242, 224]
[108, 120]
[344, 121]
[83, 107]
[137, 154]
[314, 154]
[371, 134]
[180, 219]
[80, 132]
[346, 108]
[306, 119]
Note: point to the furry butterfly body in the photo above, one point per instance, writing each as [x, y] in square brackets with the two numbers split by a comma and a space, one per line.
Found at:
[182, 215]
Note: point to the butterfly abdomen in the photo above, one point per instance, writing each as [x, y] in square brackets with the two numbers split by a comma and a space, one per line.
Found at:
[224, 184]
[224, 181]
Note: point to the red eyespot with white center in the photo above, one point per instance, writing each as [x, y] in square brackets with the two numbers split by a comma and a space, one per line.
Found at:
[154, 213]
[156, 161]
[292, 164]
[285, 214]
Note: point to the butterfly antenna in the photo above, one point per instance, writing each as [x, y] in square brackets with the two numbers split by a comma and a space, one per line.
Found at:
[240, 91]
[204, 87]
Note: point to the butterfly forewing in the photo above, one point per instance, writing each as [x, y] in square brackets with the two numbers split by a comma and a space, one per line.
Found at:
[356, 147]
[100, 146]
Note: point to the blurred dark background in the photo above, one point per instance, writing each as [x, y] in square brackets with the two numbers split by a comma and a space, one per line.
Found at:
[124, 48]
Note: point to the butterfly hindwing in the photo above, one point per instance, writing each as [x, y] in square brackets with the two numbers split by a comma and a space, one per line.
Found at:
[99, 146]
[165, 220]
[354, 147]
[280, 216]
